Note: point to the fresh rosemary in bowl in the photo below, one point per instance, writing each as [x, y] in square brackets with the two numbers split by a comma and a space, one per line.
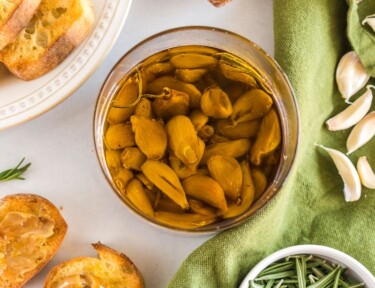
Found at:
[304, 271]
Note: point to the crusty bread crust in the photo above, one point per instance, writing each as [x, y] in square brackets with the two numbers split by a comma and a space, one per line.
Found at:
[59, 50]
[219, 3]
[17, 21]
[111, 263]
[34, 204]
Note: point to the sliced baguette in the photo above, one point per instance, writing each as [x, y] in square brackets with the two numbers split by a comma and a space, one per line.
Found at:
[112, 269]
[14, 16]
[57, 27]
[31, 231]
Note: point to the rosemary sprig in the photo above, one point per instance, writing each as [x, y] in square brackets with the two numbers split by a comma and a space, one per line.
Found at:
[14, 173]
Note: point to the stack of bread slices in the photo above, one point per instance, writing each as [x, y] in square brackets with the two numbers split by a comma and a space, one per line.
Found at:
[36, 35]
[32, 230]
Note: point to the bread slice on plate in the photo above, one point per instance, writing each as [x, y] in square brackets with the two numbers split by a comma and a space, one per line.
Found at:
[31, 231]
[14, 16]
[112, 269]
[57, 27]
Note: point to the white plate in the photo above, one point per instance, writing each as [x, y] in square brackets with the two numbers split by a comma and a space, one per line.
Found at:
[21, 101]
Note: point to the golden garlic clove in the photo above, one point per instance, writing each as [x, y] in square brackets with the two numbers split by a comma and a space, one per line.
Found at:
[206, 189]
[247, 193]
[252, 105]
[176, 104]
[166, 204]
[125, 96]
[198, 119]
[133, 158]
[190, 75]
[150, 137]
[163, 177]
[218, 139]
[227, 172]
[144, 109]
[235, 149]
[201, 208]
[137, 196]
[182, 139]
[192, 61]
[351, 75]
[260, 182]
[241, 130]
[147, 183]
[182, 170]
[113, 159]
[160, 68]
[157, 86]
[119, 136]
[268, 139]
[183, 220]
[238, 75]
[122, 178]
[216, 103]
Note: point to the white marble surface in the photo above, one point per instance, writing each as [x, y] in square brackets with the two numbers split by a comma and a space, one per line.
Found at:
[64, 167]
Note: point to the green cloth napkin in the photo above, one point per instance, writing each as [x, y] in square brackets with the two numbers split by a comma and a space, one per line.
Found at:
[310, 38]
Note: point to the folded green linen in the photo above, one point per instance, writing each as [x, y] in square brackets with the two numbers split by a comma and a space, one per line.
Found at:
[310, 38]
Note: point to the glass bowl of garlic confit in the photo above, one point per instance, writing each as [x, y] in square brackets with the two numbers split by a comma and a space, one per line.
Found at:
[196, 129]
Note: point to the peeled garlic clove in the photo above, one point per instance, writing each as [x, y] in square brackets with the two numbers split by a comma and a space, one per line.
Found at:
[370, 20]
[352, 183]
[365, 172]
[182, 139]
[353, 114]
[361, 133]
[147, 130]
[163, 177]
[351, 75]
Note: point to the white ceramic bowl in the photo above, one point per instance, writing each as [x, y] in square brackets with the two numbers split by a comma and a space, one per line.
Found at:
[355, 269]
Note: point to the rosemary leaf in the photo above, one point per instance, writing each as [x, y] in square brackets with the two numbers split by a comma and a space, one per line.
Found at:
[279, 275]
[14, 173]
[325, 280]
[300, 274]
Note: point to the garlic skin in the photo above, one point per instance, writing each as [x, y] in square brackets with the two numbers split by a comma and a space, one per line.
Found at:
[370, 20]
[352, 183]
[351, 75]
[353, 114]
[365, 172]
[361, 133]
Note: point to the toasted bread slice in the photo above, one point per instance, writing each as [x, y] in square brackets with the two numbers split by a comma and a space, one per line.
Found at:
[14, 16]
[112, 269]
[31, 231]
[57, 27]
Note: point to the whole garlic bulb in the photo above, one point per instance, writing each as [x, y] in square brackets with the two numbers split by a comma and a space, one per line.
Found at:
[351, 75]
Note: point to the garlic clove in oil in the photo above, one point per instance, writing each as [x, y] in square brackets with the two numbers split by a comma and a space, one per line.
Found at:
[352, 183]
[353, 114]
[365, 172]
[361, 133]
[351, 75]
[370, 20]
